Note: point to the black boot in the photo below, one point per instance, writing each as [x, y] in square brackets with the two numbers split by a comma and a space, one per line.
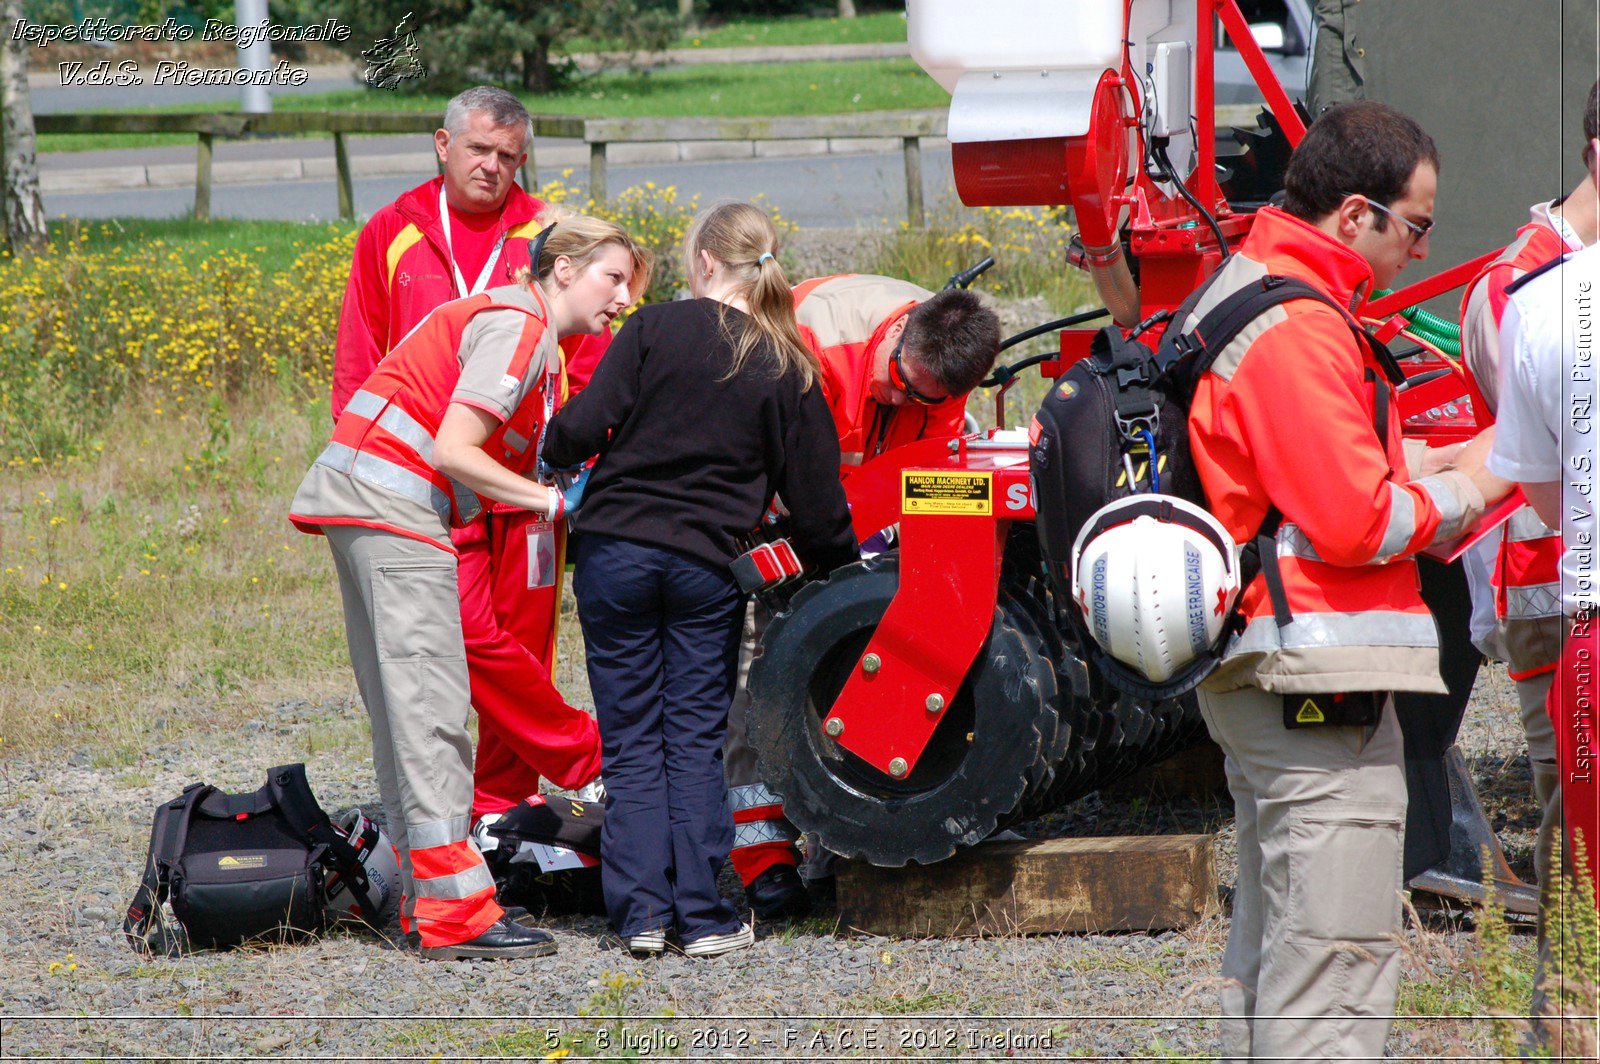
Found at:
[778, 894]
[503, 941]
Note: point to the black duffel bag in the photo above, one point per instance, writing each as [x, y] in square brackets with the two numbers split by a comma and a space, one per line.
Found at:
[237, 868]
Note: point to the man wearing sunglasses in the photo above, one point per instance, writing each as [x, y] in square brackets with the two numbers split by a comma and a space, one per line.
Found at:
[1524, 593]
[1296, 423]
[897, 364]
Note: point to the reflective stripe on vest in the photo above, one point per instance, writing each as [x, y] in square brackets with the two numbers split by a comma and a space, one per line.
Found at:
[1527, 571]
[1370, 628]
[390, 476]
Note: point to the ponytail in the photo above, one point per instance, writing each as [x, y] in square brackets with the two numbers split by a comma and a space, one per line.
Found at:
[742, 238]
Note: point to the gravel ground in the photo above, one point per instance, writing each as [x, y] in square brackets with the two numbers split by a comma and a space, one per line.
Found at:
[72, 840]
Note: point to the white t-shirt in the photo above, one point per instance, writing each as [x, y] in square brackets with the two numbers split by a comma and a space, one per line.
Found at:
[1546, 425]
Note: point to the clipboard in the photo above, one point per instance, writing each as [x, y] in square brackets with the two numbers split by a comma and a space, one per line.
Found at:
[1492, 518]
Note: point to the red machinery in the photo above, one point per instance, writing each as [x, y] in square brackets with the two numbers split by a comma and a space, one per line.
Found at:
[917, 701]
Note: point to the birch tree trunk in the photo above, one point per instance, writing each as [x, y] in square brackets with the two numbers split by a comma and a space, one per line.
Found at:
[19, 167]
[847, 8]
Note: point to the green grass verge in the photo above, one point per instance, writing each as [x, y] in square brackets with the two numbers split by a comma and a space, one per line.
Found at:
[877, 27]
[718, 90]
[275, 245]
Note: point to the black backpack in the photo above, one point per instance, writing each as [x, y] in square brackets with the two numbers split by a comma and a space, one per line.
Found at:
[1117, 424]
[239, 867]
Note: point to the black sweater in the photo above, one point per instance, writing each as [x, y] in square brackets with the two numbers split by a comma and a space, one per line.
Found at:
[693, 460]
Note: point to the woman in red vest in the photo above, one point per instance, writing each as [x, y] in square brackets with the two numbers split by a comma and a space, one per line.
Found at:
[448, 421]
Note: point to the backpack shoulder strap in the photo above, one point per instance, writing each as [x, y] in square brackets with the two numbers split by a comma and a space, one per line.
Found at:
[1224, 322]
[143, 924]
[291, 792]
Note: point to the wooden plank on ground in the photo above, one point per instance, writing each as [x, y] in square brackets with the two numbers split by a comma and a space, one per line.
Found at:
[1131, 883]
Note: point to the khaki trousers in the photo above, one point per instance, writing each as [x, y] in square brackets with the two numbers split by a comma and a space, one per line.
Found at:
[1531, 697]
[1313, 954]
[402, 619]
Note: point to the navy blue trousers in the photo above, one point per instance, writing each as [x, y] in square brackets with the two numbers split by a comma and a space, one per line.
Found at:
[662, 637]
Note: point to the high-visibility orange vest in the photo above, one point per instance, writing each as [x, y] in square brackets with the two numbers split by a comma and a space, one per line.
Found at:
[1527, 570]
[385, 435]
[844, 319]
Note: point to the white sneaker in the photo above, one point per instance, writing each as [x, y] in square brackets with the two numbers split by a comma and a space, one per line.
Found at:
[716, 945]
[480, 832]
[648, 941]
[593, 791]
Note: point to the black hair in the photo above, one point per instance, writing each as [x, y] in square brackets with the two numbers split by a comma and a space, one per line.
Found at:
[1364, 148]
[955, 338]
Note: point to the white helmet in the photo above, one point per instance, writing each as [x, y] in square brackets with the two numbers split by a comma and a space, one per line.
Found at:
[379, 859]
[1155, 577]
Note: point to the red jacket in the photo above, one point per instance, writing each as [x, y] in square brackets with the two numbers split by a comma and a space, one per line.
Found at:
[1527, 575]
[844, 320]
[1285, 418]
[401, 271]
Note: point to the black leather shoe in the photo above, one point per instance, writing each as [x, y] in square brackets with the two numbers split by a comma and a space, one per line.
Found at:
[778, 894]
[503, 941]
[520, 916]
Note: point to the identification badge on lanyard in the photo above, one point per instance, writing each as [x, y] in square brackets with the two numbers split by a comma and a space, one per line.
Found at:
[541, 554]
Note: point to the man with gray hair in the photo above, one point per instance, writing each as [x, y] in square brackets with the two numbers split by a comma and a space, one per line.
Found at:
[468, 230]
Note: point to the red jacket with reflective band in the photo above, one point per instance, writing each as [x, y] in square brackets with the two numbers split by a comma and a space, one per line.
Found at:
[1286, 417]
[1527, 572]
[386, 434]
[844, 319]
[401, 272]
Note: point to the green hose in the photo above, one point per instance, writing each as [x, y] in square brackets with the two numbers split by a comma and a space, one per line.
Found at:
[1440, 332]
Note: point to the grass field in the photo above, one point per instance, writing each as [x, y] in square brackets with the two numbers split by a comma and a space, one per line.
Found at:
[876, 27]
[720, 89]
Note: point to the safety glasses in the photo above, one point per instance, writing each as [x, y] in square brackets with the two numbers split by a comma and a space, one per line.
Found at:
[897, 378]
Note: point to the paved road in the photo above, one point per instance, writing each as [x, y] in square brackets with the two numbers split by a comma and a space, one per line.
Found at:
[832, 190]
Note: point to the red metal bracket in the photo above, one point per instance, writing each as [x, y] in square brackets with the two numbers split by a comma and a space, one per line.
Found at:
[926, 642]
[1255, 60]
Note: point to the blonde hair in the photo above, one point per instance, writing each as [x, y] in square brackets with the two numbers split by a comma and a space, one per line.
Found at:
[581, 237]
[741, 237]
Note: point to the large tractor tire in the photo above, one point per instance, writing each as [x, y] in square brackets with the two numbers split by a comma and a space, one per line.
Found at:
[975, 767]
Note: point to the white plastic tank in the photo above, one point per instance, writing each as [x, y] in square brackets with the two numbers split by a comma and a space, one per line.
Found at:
[950, 38]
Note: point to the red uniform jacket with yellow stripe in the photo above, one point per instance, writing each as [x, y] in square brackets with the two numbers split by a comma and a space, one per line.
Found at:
[1286, 418]
[1527, 575]
[494, 351]
[844, 319]
[401, 271]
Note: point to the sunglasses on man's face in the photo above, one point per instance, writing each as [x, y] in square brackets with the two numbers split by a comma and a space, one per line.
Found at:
[898, 381]
[1418, 232]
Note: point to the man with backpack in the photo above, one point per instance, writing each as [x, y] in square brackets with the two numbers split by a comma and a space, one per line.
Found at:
[1294, 432]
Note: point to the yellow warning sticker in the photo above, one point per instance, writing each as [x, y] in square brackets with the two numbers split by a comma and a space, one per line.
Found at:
[1309, 713]
[250, 860]
[946, 493]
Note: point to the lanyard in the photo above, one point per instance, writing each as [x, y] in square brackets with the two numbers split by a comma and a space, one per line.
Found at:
[488, 267]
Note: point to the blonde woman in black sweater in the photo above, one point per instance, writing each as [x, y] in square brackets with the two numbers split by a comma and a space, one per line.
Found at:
[701, 411]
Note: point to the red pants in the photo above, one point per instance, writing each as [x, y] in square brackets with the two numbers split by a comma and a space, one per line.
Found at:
[1572, 710]
[525, 728]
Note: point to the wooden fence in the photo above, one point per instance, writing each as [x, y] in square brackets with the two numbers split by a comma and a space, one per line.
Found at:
[909, 127]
